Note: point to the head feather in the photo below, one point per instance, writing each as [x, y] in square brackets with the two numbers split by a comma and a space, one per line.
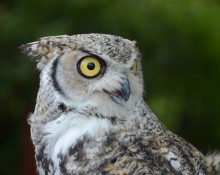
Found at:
[47, 48]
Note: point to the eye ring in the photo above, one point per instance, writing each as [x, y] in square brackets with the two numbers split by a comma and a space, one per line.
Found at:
[134, 67]
[91, 66]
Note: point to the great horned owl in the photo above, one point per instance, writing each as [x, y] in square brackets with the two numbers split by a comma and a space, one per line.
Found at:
[90, 116]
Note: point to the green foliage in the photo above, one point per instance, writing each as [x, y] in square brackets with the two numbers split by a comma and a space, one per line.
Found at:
[179, 40]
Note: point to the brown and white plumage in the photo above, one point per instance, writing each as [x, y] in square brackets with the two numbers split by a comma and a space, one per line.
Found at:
[90, 117]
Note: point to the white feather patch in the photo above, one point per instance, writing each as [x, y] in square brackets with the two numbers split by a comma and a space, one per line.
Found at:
[63, 133]
[173, 160]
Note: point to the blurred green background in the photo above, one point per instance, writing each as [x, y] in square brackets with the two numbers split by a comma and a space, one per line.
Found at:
[180, 42]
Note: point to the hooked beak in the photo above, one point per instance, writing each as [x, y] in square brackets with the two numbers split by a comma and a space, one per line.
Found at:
[121, 96]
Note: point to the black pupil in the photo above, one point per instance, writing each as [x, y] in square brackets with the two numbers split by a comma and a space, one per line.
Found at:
[91, 66]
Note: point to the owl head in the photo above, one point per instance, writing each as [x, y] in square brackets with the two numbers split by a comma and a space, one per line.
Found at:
[88, 69]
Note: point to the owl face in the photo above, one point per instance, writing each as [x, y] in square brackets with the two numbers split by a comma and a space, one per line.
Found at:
[89, 68]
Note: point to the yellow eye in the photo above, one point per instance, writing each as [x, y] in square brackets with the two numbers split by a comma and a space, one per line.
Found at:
[134, 67]
[90, 66]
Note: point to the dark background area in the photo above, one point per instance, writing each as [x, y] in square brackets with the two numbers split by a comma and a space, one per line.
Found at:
[180, 43]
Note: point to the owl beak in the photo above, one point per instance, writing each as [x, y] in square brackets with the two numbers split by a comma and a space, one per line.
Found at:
[122, 95]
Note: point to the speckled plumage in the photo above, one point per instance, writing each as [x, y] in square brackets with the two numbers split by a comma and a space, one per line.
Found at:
[101, 125]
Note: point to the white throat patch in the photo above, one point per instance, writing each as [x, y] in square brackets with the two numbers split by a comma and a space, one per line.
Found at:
[65, 131]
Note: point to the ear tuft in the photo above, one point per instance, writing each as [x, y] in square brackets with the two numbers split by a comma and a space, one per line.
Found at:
[45, 49]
